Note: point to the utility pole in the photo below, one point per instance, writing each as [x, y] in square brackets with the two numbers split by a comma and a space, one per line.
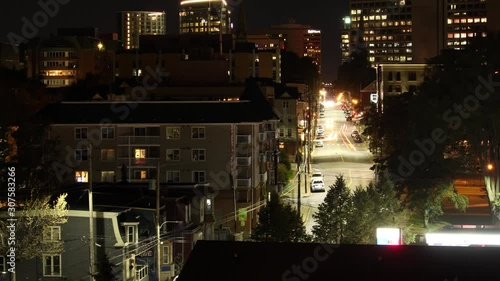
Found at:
[158, 240]
[298, 194]
[91, 219]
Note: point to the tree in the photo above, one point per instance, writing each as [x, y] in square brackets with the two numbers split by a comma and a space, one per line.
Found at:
[105, 269]
[333, 213]
[279, 223]
[34, 217]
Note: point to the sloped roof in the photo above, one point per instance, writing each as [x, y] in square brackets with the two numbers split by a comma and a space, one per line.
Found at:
[371, 88]
[251, 261]
[169, 112]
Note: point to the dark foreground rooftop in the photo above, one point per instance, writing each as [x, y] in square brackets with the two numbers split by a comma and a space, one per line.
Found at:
[253, 261]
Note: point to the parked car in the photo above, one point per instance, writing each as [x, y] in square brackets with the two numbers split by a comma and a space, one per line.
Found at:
[320, 130]
[317, 175]
[317, 185]
[322, 115]
[318, 143]
[354, 133]
[357, 138]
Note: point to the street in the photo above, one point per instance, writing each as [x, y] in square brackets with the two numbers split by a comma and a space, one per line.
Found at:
[340, 155]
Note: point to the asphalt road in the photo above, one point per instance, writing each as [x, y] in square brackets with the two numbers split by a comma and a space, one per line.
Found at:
[340, 155]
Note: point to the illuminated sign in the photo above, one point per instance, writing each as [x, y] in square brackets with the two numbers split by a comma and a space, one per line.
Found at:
[374, 98]
[462, 239]
[313, 31]
[388, 236]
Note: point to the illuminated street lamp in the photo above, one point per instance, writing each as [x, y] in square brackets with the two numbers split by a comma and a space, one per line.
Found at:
[489, 167]
[100, 46]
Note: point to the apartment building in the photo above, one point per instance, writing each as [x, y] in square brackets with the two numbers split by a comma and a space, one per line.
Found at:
[125, 230]
[61, 61]
[393, 79]
[132, 24]
[205, 16]
[412, 31]
[300, 39]
[225, 144]
[200, 58]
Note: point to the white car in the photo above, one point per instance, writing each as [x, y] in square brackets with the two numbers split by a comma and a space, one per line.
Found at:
[318, 143]
[317, 185]
[317, 176]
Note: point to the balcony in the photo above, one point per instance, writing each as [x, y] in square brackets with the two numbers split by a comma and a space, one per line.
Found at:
[141, 273]
[243, 139]
[262, 137]
[244, 161]
[142, 140]
[137, 162]
[244, 183]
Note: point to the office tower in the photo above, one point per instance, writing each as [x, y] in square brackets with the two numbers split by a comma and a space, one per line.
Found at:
[132, 24]
[300, 39]
[204, 16]
[411, 31]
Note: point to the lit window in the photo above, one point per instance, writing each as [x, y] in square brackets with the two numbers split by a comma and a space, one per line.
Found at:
[82, 176]
[140, 155]
[51, 265]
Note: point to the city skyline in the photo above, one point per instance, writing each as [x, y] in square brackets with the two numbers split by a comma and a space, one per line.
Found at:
[68, 14]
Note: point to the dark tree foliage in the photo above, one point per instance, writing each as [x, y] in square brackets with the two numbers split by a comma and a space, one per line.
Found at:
[279, 223]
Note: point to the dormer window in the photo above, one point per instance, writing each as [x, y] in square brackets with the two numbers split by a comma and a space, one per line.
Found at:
[131, 232]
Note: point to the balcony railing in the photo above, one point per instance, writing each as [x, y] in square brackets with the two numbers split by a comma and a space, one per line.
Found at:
[134, 140]
[243, 139]
[141, 272]
[137, 162]
[243, 161]
[245, 183]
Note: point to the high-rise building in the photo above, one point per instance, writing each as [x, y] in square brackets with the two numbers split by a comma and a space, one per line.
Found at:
[410, 31]
[204, 16]
[300, 39]
[132, 24]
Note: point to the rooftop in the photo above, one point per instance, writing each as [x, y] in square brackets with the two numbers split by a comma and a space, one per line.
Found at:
[252, 261]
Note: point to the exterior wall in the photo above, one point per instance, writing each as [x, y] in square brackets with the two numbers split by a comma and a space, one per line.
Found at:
[220, 151]
[242, 66]
[76, 255]
[394, 86]
[131, 24]
[427, 29]
[74, 64]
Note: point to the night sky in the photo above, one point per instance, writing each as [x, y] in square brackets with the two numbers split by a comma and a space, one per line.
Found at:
[260, 14]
